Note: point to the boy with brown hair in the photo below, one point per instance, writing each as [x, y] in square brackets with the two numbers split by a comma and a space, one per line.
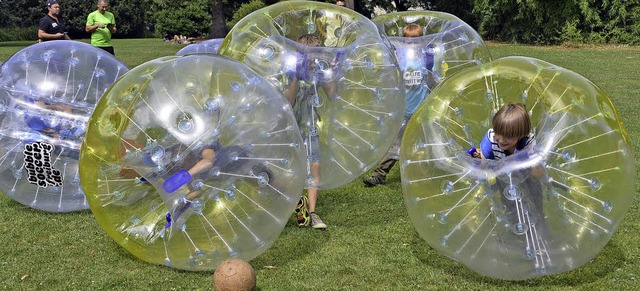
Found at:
[511, 132]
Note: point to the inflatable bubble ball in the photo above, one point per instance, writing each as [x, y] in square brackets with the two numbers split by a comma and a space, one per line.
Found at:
[429, 46]
[339, 75]
[190, 161]
[209, 46]
[47, 93]
[432, 45]
[550, 206]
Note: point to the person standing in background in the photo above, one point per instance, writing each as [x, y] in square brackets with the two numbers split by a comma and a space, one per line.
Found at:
[51, 26]
[417, 88]
[101, 24]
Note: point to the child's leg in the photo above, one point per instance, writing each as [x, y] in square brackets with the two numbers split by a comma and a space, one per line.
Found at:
[208, 155]
[312, 191]
[384, 168]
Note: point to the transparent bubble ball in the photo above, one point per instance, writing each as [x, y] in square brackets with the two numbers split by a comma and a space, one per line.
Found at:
[209, 46]
[47, 93]
[535, 212]
[189, 158]
[347, 93]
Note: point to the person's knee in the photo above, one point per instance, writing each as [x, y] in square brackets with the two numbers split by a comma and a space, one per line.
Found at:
[208, 154]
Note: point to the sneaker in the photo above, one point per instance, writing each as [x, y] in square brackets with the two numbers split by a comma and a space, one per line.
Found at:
[374, 181]
[316, 222]
[302, 214]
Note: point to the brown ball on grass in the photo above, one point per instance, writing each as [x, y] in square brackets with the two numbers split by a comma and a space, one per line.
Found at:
[236, 275]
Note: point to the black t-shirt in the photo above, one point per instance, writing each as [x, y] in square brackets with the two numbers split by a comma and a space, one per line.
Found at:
[52, 26]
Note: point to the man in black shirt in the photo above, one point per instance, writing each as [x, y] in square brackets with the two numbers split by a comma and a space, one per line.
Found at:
[52, 26]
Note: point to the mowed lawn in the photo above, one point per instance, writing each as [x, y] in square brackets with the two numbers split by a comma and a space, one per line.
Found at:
[370, 242]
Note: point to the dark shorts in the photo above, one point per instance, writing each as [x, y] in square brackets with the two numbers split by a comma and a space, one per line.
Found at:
[109, 49]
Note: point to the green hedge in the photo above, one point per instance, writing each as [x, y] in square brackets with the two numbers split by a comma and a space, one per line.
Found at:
[19, 33]
[553, 22]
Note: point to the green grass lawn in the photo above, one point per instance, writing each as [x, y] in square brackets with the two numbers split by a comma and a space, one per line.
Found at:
[370, 243]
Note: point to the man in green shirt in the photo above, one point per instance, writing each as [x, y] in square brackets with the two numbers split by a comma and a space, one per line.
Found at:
[101, 24]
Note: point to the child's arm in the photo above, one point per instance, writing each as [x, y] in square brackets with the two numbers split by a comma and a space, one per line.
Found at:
[486, 149]
[331, 86]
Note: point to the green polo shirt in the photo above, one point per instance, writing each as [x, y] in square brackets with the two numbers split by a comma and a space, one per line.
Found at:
[101, 36]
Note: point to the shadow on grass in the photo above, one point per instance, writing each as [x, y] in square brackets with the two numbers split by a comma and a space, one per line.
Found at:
[607, 261]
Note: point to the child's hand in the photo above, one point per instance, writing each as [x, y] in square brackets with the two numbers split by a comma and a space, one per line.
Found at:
[537, 172]
[475, 153]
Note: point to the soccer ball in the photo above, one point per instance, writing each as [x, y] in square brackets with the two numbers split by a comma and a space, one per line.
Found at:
[236, 275]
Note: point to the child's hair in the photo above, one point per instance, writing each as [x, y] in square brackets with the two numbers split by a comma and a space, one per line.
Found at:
[412, 30]
[512, 120]
[309, 40]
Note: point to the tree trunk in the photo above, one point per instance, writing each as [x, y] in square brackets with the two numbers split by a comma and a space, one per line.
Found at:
[218, 24]
[401, 5]
[349, 4]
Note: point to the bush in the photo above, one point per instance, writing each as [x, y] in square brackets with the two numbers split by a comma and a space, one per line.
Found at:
[551, 22]
[244, 10]
[19, 33]
[189, 19]
[570, 34]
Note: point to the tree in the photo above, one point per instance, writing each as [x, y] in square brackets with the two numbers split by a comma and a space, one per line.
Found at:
[191, 18]
[21, 13]
[546, 22]
[218, 25]
[463, 9]
[130, 17]
[75, 14]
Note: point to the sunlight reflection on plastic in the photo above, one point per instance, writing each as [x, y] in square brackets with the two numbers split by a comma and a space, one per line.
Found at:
[547, 209]
[347, 94]
[47, 92]
[209, 46]
[191, 161]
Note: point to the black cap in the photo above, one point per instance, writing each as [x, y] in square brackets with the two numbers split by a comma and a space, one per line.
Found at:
[51, 2]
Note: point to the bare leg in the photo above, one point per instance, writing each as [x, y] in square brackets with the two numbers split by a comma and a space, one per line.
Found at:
[208, 155]
[193, 195]
[312, 191]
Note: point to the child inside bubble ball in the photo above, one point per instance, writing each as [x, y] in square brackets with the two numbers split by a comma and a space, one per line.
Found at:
[300, 93]
[54, 122]
[225, 160]
[417, 88]
[511, 133]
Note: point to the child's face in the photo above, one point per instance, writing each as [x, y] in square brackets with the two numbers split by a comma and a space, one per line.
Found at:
[507, 144]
